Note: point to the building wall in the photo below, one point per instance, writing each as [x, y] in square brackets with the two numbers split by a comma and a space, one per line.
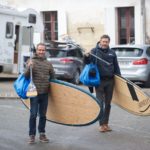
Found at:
[3, 2]
[147, 25]
[98, 14]
[73, 15]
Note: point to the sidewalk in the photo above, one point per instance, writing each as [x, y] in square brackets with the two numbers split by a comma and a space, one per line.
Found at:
[7, 90]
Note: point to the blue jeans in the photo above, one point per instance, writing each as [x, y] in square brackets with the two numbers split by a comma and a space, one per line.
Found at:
[38, 106]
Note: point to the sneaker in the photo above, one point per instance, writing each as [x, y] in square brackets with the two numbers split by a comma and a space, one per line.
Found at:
[43, 138]
[31, 139]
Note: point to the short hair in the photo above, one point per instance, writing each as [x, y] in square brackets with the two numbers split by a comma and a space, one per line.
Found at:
[40, 44]
[105, 36]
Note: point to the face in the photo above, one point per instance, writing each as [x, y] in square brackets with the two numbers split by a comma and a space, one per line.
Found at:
[104, 43]
[40, 51]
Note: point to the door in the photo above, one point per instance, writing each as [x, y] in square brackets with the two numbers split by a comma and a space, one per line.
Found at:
[25, 43]
[16, 47]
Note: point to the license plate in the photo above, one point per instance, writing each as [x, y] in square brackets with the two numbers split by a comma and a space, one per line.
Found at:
[123, 63]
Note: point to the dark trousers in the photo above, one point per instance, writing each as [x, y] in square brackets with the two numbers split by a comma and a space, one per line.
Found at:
[104, 94]
[91, 89]
[38, 106]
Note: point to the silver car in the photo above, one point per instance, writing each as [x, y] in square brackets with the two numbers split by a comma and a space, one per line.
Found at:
[67, 61]
[134, 62]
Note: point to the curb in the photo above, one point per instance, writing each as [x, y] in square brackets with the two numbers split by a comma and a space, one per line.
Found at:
[10, 95]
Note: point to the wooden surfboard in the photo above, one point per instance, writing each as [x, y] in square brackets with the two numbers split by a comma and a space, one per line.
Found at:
[130, 97]
[69, 104]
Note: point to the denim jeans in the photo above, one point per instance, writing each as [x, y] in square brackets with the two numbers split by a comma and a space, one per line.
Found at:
[38, 106]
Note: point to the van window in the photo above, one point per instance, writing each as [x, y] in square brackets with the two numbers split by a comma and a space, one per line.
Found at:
[9, 30]
[32, 18]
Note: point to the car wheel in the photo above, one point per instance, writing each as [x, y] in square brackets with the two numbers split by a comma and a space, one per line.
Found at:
[76, 77]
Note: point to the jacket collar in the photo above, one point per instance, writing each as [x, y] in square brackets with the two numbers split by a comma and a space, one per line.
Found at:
[101, 49]
[37, 57]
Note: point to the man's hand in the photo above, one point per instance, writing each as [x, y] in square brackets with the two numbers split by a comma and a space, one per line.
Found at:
[87, 54]
[29, 63]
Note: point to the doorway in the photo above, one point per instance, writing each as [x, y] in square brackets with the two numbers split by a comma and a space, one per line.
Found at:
[16, 47]
[126, 28]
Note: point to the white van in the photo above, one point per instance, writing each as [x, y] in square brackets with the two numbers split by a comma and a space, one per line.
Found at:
[18, 31]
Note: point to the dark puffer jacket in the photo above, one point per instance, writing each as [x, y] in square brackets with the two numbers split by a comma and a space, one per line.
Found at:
[42, 72]
[107, 55]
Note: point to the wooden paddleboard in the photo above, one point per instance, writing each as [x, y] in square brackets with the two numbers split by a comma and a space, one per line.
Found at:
[69, 104]
[130, 97]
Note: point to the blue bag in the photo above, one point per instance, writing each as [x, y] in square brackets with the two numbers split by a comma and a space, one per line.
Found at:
[90, 75]
[21, 86]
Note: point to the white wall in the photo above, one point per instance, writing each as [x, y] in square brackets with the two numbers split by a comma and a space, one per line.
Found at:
[147, 25]
[99, 14]
[3, 2]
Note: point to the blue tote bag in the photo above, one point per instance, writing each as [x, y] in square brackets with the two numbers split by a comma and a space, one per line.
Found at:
[90, 75]
[21, 86]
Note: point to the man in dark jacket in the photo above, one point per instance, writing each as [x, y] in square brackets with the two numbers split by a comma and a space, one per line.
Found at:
[107, 69]
[42, 72]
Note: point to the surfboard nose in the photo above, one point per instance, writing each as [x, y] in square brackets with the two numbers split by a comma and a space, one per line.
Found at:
[70, 105]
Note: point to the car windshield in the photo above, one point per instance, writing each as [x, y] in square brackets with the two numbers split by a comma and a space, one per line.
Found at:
[128, 52]
[57, 53]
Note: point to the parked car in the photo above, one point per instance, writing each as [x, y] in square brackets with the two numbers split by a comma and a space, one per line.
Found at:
[67, 60]
[134, 62]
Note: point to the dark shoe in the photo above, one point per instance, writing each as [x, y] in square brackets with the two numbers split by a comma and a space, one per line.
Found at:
[107, 128]
[31, 139]
[102, 128]
[43, 138]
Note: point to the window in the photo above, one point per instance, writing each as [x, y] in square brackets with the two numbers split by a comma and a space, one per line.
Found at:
[128, 52]
[56, 53]
[126, 25]
[50, 25]
[71, 53]
[79, 53]
[9, 30]
[32, 18]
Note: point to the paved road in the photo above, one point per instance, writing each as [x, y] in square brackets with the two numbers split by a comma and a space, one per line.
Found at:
[129, 132]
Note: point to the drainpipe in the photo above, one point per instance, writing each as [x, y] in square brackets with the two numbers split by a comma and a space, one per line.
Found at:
[143, 22]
